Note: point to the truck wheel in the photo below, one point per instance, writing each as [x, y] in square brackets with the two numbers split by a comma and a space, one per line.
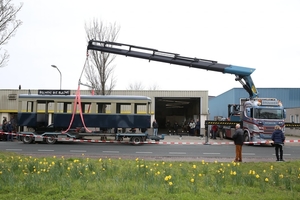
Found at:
[136, 140]
[27, 139]
[51, 139]
[247, 139]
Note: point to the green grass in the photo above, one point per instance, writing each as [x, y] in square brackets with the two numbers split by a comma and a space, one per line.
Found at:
[25, 177]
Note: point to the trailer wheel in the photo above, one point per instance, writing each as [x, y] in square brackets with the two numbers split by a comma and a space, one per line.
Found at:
[27, 139]
[103, 138]
[136, 140]
[51, 139]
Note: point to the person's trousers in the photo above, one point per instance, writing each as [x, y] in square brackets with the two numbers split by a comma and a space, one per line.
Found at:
[9, 137]
[214, 135]
[278, 149]
[155, 130]
[238, 153]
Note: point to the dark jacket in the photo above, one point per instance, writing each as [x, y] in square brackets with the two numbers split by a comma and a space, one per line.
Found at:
[238, 137]
[154, 124]
[4, 127]
[9, 127]
[176, 126]
[198, 125]
[278, 137]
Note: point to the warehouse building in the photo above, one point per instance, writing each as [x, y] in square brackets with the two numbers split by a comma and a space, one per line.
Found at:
[180, 106]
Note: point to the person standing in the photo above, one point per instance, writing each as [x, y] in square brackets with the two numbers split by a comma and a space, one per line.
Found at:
[10, 136]
[214, 130]
[192, 126]
[278, 139]
[238, 138]
[197, 132]
[168, 126]
[4, 124]
[155, 127]
[176, 127]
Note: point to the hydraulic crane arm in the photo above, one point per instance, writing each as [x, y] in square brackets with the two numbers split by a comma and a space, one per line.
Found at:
[242, 73]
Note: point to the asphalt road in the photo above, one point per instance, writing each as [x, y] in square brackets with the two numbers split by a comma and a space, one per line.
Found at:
[179, 152]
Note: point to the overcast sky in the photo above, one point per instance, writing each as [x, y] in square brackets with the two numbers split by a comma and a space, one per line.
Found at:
[260, 34]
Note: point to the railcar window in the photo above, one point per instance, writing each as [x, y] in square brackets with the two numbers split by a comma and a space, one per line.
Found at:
[103, 107]
[86, 107]
[67, 107]
[29, 106]
[44, 108]
[140, 109]
[123, 108]
[60, 107]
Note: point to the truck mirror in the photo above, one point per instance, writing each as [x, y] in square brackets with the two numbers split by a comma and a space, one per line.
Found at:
[284, 113]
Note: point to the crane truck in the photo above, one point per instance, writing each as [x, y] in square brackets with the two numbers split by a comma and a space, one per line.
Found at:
[257, 116]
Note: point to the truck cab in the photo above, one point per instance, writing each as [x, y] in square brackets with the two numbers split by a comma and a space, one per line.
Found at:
[258, 117]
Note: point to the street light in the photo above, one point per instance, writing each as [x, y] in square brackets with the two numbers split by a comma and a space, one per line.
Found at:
[59, 74]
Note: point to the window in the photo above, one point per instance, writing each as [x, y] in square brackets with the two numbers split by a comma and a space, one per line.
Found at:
[292, 118]
[268, 114]
[297, 119]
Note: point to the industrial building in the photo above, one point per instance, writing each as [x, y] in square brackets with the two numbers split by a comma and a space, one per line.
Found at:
[180, 106]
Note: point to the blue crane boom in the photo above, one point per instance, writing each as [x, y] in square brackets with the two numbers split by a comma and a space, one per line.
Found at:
[242, 73]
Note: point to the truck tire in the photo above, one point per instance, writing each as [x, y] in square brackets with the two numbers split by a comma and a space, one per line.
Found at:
[136, 140]
[51, 139]
[246, 138]
[27, 139]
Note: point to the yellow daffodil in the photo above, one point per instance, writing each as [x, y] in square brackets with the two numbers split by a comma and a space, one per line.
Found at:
[266, 180]
[281, 176]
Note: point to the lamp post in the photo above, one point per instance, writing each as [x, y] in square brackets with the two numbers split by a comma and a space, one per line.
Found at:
[59, 74]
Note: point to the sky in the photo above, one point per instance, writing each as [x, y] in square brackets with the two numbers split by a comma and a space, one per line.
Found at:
[250, 33]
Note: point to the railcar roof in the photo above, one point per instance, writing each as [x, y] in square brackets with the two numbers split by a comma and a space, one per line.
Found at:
[108, 97]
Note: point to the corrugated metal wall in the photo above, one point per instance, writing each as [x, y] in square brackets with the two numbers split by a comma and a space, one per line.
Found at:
[8, 101]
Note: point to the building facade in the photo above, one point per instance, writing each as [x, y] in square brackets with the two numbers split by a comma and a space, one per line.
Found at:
[179, 106]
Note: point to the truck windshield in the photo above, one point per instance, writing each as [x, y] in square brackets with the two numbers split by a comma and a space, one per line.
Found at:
[263, 113]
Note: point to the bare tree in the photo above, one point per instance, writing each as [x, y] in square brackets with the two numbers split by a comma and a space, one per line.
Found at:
[8, 26]
[154, 87]
[99, 72]
[140, 86]
[136, 86]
